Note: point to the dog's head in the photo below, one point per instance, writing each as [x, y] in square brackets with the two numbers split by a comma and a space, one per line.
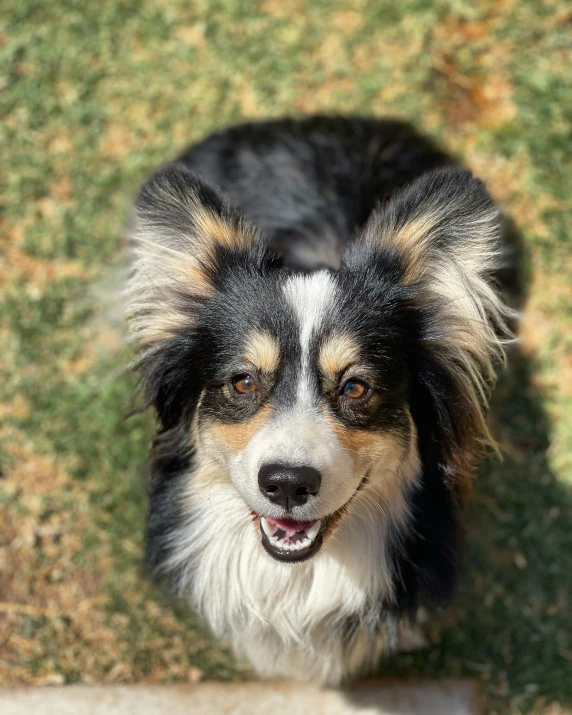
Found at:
[309, 391]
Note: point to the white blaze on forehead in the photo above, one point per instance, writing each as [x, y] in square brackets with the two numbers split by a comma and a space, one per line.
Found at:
[299, 434]
[311, 297]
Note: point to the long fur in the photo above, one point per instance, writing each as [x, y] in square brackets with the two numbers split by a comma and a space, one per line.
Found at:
[299, 245]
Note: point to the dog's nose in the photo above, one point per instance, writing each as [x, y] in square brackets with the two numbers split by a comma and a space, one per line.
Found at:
[288, 486]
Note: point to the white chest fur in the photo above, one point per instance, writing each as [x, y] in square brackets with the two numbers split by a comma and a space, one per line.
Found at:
[289, 620]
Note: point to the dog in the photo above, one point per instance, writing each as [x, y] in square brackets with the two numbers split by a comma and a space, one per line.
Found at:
[318, 330]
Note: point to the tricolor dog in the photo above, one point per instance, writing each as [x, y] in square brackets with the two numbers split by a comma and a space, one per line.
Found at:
[318, 331]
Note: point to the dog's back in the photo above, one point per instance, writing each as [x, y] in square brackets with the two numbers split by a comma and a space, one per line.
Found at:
[309, 184]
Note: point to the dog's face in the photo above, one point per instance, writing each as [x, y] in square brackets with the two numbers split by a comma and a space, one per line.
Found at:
[304, 401]
[305, 390]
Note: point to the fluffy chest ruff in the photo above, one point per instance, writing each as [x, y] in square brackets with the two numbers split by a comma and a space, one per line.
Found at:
[321, 620]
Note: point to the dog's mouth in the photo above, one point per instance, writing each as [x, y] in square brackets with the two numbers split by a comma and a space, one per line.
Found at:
[292, 541]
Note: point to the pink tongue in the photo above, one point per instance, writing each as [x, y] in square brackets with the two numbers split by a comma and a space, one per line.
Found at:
[290, 526]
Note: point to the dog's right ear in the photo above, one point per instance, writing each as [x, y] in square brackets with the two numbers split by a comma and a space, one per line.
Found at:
[182, 229]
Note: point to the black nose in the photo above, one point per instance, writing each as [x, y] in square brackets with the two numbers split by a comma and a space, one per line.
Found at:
[288, 486]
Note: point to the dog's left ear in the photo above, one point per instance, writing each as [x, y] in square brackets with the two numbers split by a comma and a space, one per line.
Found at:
[441, 237]
[444, 230]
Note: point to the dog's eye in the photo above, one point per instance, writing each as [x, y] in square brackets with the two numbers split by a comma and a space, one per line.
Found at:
[244, 384]
[354, 389]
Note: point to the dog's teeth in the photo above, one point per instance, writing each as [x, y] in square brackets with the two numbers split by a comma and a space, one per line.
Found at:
[312, 532]
[281, 539]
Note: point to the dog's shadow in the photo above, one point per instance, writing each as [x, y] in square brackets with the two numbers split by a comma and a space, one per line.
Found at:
[511, 623]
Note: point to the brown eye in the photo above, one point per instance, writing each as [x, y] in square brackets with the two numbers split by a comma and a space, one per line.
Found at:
[354, 389]
[244, 384]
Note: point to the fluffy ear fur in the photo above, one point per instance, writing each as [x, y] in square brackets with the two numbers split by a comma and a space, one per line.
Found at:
[442, 233]
[181, 229]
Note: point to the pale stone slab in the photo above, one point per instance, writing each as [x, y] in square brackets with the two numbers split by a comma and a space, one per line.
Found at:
[448, 697]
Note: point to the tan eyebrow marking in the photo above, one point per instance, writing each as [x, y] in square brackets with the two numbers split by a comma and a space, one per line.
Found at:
[337, 352]
[262, 350]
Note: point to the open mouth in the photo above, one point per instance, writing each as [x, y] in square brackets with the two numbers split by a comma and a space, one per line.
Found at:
[295, 541]
[292, 541]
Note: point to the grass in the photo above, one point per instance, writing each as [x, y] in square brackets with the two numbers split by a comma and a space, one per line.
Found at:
[95, 95]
